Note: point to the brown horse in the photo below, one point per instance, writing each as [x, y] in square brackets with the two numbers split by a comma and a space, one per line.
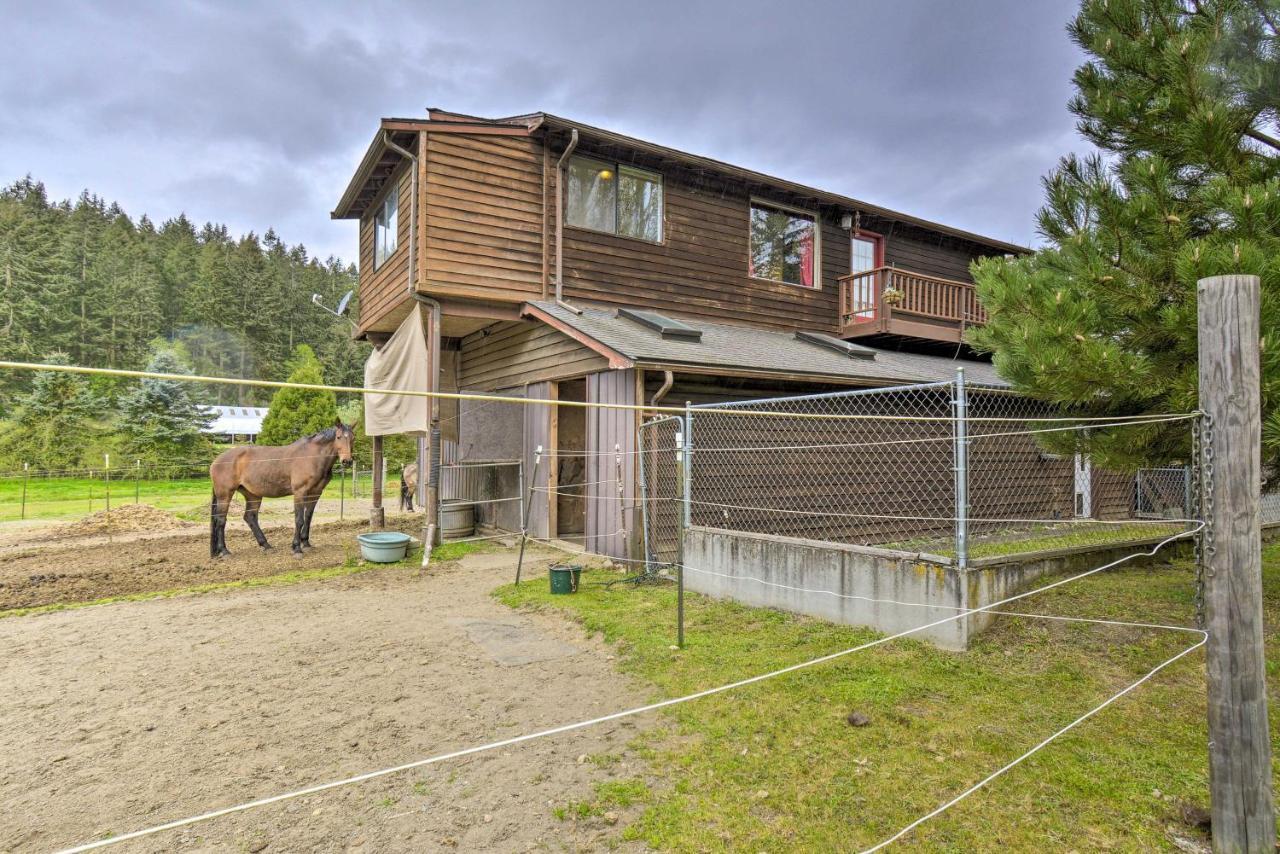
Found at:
[302, 470]
[408, 486]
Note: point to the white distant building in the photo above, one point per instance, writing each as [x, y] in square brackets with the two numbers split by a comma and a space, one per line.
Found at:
[231, 422]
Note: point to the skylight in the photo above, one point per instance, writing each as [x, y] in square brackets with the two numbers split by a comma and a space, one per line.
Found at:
[830, 342]
[664, 326]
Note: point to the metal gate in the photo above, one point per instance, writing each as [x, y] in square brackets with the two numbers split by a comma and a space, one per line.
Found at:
[660, 506]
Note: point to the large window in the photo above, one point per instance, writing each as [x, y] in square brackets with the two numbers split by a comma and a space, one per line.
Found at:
[784, 245]
[386, 228]
[614, 198]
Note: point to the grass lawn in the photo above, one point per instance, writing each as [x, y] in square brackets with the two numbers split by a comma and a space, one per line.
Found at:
[776, 766]
[76, 497]
[1043, 537]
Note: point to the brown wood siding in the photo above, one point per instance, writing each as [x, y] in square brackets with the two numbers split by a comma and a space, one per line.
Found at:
[483, 210]
[516, 352]
[931, 254]
[384, 290]
[490, 234]
[611, 516]
[700, 268]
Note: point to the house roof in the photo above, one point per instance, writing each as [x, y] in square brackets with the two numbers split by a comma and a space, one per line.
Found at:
[379, 156]
[766, 352]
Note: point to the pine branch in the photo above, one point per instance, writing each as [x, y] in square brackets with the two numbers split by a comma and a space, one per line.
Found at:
[1266, 16]
[1265, 139]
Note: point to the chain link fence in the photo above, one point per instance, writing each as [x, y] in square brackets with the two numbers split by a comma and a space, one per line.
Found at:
[953, 469]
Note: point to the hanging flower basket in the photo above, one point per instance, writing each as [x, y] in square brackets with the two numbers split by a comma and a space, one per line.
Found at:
[892, 296]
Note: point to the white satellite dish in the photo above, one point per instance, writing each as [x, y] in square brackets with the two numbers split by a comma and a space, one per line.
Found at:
[344, 302]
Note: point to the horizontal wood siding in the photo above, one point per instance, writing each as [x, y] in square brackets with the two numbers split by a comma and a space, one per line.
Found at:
[931, 254]
[700, 268]
[490, 228]
[484, 216]
[384, 290]
[514, 353]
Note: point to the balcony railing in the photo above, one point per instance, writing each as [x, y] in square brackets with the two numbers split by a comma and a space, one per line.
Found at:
[889, 300]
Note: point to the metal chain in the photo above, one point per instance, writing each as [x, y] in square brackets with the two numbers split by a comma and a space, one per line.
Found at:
[1203, 476]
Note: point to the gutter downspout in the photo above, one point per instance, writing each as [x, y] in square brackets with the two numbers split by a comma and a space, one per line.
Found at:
[560, 301]
[428, 472]
[668, 379]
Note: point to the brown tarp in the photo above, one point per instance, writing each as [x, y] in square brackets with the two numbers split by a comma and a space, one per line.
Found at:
[401, 364]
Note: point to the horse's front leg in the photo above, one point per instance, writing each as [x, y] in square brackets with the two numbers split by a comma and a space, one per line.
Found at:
[299, 520]
[311, 503]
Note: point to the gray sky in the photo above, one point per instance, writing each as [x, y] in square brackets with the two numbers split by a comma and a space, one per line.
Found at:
[256, 114]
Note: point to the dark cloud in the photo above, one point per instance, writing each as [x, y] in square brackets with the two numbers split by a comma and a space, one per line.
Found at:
[256, 114]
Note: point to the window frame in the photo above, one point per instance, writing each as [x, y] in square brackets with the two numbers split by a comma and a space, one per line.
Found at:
[871, 237]
[617, 168]
[392, 192]
[816, 216]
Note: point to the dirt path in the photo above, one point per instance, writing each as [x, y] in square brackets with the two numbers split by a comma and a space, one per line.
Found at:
[127, 715]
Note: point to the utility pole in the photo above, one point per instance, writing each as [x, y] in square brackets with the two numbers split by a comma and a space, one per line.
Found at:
[1230, 398]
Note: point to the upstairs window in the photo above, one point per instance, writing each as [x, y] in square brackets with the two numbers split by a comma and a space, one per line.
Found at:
[613, 198]
[386, 228]
[784, 245]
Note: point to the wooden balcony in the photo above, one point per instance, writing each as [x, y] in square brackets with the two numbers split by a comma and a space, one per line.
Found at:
[889, 301]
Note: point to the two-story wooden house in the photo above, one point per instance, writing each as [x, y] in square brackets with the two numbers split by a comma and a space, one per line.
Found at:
[563, 261]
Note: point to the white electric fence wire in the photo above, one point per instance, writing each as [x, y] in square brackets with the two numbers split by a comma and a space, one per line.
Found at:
[508, 742]
[1028, 754]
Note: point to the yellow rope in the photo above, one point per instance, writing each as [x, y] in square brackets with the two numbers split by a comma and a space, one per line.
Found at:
[498, 398]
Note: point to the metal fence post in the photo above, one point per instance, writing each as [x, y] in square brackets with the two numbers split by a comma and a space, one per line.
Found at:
[960, 407]
[686, 513]
[26, 475]
[524, 526]
[642, 446]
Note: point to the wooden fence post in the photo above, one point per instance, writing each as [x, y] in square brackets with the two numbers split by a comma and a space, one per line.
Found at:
[377, 516]
[1230, 397]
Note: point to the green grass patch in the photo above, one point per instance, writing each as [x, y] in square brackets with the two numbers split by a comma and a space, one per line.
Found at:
[1043, 538]
[75, 497]
[777, 766]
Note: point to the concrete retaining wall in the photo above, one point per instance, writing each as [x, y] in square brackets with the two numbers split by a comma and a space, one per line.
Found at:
[886, 590]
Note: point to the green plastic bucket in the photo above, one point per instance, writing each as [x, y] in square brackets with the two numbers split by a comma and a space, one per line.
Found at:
[383, 546]
[564, 579]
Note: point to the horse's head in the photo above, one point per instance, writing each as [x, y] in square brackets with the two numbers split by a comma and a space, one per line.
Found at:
[343, 440]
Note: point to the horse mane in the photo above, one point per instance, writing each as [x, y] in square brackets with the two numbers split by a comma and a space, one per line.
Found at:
[328, 434]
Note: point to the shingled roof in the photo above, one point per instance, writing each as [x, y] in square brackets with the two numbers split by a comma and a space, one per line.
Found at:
[789, 355]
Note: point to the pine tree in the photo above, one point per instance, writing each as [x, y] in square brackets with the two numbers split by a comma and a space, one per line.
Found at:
[54, 425]
[162, 422]
[1180, 99]
[296, 412]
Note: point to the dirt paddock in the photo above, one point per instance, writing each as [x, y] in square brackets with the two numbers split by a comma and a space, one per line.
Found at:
[39, 567]
[126, 715]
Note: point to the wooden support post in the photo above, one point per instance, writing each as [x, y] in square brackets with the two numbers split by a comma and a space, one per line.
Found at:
[1230, 397]
[377, 515]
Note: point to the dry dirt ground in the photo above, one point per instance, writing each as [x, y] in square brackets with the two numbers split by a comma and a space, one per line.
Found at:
[39, 567]
[122, 716]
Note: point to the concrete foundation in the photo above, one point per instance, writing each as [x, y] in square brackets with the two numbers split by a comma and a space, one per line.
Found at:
[885, 590]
